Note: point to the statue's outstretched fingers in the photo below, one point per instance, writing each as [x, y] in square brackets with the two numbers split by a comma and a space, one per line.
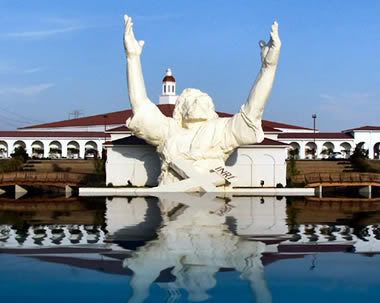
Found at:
[130, 27]
[274, 34]
[126, 18]
[275, 29]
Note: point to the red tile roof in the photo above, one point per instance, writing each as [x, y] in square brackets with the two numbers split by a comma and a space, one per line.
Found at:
[124, 129]
[316, 135]
[274, 124]
[119, 129]
[39, 134]
[109, 118]
[133, 140]
[120, 117]
[364, 128]
[268, 141]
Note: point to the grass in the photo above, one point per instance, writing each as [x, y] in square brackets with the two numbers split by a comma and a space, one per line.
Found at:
[10, 165]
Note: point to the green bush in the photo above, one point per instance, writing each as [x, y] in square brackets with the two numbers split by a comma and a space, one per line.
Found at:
[11, 165]
[100, 166]
[20, 153]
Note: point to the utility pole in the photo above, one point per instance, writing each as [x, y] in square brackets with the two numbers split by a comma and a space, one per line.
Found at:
[105, 126]
[314, 116]
[75, 114]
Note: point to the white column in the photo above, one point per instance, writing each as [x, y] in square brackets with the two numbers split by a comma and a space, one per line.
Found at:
[319, 149]
[64, 148]
[9, 148]
[302, 150]
[100, 148]
[370, 151]
[28, 147]
[82, 149]
[46, 148]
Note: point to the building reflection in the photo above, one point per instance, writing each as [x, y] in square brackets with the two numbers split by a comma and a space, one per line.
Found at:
[199, 237]
[181, 242]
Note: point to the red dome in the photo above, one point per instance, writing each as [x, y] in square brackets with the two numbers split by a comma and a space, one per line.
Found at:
[168, 79]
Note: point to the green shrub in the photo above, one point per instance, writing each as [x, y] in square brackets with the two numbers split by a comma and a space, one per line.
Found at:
[20, 153]
[11, 165]
[100, 166]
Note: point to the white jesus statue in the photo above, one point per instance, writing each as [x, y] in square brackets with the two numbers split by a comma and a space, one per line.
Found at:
[195, 133]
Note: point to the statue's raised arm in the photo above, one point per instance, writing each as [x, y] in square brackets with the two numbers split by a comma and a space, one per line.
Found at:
[147, 121]
[133, 50]
[270, 53]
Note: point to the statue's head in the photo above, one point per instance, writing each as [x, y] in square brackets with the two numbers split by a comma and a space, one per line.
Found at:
[192, 106]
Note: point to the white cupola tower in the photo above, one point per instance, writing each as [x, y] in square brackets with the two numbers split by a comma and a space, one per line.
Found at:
[168, 94]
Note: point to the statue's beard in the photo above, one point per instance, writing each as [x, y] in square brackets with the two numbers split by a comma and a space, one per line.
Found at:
[192, 122]
[195, 120]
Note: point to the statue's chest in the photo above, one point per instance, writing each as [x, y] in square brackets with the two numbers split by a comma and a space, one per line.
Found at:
[191, 143]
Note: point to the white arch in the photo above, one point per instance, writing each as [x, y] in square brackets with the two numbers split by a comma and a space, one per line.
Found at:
[73, 150]
[37, 149]
[376, 151]
[3, 149]
[55, 150]
[345, 149]
[294, 150]
[19, 143]
[91, 149]
[310, 150]
[327, 149]
[244, 163]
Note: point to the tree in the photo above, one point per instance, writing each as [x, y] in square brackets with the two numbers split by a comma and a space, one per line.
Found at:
[327, 152]
[20, 153]
[359, 159]
[360, 152]
[294, 153]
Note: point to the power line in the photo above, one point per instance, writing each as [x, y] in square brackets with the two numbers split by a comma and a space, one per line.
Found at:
[75, 114]
[25, 119]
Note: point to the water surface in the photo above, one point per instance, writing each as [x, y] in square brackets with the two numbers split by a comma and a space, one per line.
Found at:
[188, 248]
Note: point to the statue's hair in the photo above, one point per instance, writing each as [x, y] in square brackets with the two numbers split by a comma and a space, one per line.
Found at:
[192, 94]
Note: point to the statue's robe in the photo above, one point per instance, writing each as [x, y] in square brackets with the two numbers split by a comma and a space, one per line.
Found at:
[207, 145]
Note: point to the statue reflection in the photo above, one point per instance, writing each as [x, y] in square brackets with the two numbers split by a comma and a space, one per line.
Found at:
[199, 237]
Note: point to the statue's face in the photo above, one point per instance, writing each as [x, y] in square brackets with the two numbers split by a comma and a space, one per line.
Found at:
[193, 106]
[197, 109]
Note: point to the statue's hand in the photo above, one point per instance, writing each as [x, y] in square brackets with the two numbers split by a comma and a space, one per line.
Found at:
[131, 45]
[270, 52]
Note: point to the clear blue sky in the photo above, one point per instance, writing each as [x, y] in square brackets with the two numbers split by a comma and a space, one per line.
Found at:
[58, 56]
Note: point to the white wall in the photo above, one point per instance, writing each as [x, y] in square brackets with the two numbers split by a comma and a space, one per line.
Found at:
[251, 164]
[88, 128]
[319, 143]
[139, 164]
[370, 138]
[47, 141]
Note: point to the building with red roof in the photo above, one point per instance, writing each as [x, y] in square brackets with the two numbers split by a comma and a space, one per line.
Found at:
[85, 137]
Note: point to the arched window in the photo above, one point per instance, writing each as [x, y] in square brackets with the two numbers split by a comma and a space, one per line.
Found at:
[37, 149]
[55, 150]
[345, 149]
[19, 143]
[3, 149]
[310, 150]
[73, 150]
[91, 150]
[294, 151]
[327, 150]
[376, 151]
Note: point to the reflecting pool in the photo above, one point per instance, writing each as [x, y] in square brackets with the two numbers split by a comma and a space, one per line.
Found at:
[181, 248]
